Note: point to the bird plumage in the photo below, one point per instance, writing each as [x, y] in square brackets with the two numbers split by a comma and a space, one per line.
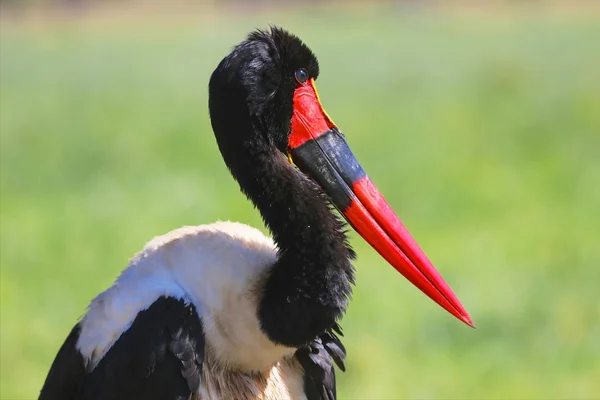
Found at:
[181, 319]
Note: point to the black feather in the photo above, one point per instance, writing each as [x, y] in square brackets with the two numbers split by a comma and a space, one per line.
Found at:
[337, 329]
[67, 373]
[159, 357]
[317, 360]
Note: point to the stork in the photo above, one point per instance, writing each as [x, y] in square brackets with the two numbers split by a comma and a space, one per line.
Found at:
[221, 311]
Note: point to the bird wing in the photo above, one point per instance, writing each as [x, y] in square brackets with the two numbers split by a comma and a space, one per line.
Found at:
[318, 359]
[67, 372]
[159, 357]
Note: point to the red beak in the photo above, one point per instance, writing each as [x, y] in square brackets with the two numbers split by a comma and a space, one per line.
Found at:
[319, 149]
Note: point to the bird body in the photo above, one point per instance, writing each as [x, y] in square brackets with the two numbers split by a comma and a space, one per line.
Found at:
[210, 274]
[217, 268]
[221, 311]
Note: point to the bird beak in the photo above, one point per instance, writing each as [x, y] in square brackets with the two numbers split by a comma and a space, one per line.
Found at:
[319, 150]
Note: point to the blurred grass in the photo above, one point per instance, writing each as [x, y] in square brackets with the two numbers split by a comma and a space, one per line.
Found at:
[483, 133]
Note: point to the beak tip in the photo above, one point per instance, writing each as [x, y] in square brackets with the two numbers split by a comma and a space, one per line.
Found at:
[467, 320]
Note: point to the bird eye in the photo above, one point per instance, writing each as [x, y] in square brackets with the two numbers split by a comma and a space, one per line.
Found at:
[301, 75]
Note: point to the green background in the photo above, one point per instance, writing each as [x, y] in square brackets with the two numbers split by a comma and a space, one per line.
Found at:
[482, 129]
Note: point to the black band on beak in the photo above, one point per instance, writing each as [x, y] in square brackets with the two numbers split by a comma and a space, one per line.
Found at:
[319, 158]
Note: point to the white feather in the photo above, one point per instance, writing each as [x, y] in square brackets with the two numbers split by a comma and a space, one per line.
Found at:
[219, 268]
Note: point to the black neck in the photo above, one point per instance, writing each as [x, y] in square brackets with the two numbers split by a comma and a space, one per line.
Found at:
[309, 286]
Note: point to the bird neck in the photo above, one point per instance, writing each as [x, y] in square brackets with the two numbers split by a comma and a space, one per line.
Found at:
[309, 285]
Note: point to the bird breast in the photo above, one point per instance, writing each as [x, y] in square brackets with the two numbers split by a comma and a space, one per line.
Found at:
[283, 381]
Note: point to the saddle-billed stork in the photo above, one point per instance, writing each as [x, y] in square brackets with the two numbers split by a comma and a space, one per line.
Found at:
[222, 312]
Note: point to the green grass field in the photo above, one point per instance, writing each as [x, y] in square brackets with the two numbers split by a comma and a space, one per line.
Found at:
[482, 131]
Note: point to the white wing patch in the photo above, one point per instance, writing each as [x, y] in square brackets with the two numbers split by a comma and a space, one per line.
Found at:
[219, 268]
